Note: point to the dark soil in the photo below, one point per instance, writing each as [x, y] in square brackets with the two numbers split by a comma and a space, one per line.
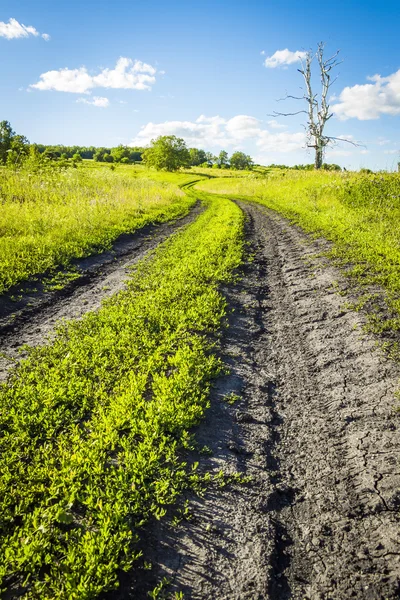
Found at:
[317, 431]
[32, 318]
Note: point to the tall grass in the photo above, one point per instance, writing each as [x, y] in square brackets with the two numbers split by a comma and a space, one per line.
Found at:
[49, 217]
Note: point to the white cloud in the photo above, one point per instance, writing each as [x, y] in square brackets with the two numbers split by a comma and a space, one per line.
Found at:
[204, 132]
[281, 142]
[273, 124]
[98, 101]
[13, 30]
[46, 37]
[390, 152]
[371, 100]
[331, 153]
[211, 132]
[284, 57]
[242, 127]
[344, 137]
[127, 74]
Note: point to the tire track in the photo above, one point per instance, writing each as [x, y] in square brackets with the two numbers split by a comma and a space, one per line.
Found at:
[317, 432]
[33, 318]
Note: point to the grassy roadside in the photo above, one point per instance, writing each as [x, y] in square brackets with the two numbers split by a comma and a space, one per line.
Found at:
[49, 217]
[92, 425]
[360, 213]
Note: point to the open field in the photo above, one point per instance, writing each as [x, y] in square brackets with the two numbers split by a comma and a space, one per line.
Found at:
[211, 349]
[50, 217]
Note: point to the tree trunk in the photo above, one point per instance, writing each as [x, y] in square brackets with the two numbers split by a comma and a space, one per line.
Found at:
[319, 157]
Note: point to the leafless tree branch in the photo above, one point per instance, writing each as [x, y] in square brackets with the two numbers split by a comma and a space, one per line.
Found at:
[279, 114]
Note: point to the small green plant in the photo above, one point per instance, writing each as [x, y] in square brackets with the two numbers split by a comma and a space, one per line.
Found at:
[232, 398]
[206, 451]
[159, 592]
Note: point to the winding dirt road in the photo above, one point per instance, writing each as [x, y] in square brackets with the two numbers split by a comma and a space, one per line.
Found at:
[317, 431]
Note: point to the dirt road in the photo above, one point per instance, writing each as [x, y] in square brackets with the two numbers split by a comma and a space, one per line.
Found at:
[31, 319]
[316, 430]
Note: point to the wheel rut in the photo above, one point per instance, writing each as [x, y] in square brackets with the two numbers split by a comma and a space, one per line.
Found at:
[317, 432]
[33, 318]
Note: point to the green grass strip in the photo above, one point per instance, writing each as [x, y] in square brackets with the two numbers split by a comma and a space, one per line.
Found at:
[92, 426]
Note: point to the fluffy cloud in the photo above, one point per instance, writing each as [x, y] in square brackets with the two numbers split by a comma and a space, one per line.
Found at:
[284, 57]
[273, 124]
[13, 29]
[98, 101]
[127, 74]
[242, 127]
[280, 142]
[371, 100]
[217, 132]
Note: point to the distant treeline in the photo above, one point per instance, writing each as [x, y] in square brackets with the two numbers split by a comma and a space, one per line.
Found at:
[119, 154]
[325, 167]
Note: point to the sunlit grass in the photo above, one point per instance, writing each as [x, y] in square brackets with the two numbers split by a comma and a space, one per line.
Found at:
[93, 425]
[47, 218]
[359, 212]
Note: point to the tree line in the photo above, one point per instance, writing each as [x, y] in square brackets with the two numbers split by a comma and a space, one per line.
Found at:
[170, 153]
[167, 152]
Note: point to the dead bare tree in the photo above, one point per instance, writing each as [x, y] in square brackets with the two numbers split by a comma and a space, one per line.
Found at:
[318, 110]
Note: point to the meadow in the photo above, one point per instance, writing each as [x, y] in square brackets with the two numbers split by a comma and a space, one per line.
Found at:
[95, 426]
[49, 217]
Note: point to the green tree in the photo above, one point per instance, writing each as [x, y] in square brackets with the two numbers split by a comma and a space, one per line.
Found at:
[222, 160]
[210, 158]
[12, 146]
[119, 153]
[136, 154]
[197, 157]
[18, 151]
[98, 156]
[240, 161]
[167, 153]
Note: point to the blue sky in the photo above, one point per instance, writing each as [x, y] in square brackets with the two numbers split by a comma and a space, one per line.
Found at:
[196, 70]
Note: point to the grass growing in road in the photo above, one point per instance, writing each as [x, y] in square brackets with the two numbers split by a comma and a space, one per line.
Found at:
[93, 425]
[49, 217]
[360, 213]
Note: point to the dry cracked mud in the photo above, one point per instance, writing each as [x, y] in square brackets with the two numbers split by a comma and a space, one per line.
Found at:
[316, 429]
[32, 319]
